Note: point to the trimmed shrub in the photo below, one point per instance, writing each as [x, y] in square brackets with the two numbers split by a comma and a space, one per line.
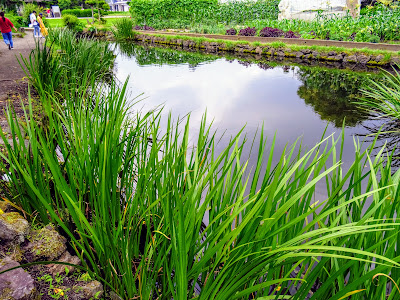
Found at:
[248, 31]
[291, 35]
[231, 31]
[72, 22]
[271, 32]
[81, 13]
[197, 11]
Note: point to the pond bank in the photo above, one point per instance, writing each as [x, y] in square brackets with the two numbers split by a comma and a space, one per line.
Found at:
[278, 48]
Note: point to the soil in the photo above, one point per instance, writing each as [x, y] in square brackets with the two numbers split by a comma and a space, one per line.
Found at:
[13, 81]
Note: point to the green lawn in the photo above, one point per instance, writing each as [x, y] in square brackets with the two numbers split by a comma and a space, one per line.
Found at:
[59, 22]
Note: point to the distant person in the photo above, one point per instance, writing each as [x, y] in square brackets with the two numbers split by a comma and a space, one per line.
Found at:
[48, 13]
[51, 13]
[5, 28]
[43, 29]
[35, 24]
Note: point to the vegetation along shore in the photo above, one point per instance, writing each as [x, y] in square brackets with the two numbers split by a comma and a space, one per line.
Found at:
[102, 199]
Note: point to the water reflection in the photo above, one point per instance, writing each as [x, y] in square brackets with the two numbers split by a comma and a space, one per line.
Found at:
[294, 101]
[333, 94]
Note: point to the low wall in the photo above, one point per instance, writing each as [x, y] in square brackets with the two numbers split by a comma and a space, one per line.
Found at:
[305, 54]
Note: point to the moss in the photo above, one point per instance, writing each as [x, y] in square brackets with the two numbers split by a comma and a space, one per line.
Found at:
[47, 243]
[11, 218]
[6, 294]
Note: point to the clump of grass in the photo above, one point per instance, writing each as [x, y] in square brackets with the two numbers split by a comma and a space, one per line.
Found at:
[122, 29]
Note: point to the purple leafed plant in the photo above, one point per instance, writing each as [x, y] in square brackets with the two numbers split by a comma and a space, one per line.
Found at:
[291, 35]
[271, 32]
[248, 31]
[231, 31]
[145, 27]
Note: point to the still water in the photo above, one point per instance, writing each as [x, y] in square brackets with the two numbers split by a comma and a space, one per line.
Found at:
[295, 102]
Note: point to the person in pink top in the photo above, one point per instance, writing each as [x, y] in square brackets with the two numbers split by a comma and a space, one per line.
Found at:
[5, 28]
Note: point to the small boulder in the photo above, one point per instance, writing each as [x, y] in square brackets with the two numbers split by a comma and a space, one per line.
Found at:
[15, 284]
[46, 243]
[363, 59]
[67, 258]
[350, 59]
[379, 58]
[92, 289]
[13, 227]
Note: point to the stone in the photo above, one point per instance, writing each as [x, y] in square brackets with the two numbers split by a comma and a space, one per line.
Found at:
[13, 227]
[339, 57]
[259, 50]
[363, 59]
[332, 53]
[306, 51]
[350, 59]
[15, 284]
[46, 243]
[280, 53]
[308, 9]
[92, 289]
[379, 58]
[65, 257]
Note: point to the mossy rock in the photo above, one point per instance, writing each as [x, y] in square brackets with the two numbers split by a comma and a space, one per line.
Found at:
[46, 243]
[13, 227]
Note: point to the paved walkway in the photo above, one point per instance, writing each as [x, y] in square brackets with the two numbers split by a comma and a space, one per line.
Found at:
[13, 83]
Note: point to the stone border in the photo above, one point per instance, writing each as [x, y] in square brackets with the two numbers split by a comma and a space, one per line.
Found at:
[300, 42]
[304, 54]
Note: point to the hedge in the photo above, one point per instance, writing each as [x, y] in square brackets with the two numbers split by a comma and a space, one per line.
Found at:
[145, 11]
[81, 13]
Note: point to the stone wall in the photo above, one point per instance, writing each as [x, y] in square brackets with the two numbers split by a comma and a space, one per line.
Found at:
[304, 55]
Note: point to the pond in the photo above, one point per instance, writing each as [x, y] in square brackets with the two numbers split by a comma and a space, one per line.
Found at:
[295, 102]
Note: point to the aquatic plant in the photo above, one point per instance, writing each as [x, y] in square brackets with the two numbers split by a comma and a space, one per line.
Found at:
[383, 100]
[248, 31]
[122, 29]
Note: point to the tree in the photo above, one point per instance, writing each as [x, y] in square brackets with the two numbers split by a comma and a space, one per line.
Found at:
[99, 4]
[64, 4]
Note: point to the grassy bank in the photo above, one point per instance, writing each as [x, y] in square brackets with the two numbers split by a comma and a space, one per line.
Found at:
[156, 216]
[229, 45]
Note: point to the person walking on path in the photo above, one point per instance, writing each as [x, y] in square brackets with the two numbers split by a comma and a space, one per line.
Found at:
[5, 28]
[43, 29]
[35, 24]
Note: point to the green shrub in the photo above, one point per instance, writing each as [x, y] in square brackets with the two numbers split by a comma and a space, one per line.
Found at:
[81, 13]
[147, 12]
[27, 9]
[72, 22]
[16, 20]
[123, 29]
